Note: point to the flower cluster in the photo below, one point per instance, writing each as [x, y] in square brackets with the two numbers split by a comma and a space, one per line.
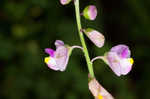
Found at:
[118, 58]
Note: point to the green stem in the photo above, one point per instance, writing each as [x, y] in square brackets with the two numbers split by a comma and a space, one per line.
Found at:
[86, 54]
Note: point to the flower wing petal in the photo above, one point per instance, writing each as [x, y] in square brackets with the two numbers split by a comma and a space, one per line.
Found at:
[122, 50]
[114, 63]
[61, 57]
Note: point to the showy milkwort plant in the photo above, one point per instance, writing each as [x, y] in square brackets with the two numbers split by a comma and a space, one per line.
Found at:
[118, 58]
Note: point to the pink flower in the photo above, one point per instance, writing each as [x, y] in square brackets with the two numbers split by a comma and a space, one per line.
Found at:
[118, 59]
[65, 2]
[98, 91]
[96, 37]
[90, 12]
[57, 60]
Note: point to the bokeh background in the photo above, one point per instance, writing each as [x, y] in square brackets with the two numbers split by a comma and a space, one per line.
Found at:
[29, 26]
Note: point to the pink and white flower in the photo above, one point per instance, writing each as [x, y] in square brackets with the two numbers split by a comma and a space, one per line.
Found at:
[119, 60]
[57, 60]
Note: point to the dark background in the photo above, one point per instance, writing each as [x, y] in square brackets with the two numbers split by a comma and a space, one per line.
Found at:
[29, 26]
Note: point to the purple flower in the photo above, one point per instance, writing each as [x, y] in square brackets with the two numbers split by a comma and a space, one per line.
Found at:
[98, 91]
[96, 37]
[90, 12]
[118, 59]
[57, 60]
[65, 2]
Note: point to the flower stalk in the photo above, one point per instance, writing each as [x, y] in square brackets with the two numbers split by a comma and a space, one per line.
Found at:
[98, 57]
[75, 46]
[86, 54]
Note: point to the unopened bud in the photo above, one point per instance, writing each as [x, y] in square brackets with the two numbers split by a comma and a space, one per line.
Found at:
[65, 2]
[90, 12]
[96, 37]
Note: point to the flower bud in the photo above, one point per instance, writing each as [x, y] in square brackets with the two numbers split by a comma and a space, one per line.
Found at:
[98, 91]
[90, 12]
[65, 2]
[96, 37]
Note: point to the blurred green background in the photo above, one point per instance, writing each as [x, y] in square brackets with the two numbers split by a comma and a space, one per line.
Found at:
[29, 26]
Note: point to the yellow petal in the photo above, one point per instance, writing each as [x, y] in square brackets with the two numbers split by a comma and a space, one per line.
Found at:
[46, 60]
[100, 96]
[131, 60]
